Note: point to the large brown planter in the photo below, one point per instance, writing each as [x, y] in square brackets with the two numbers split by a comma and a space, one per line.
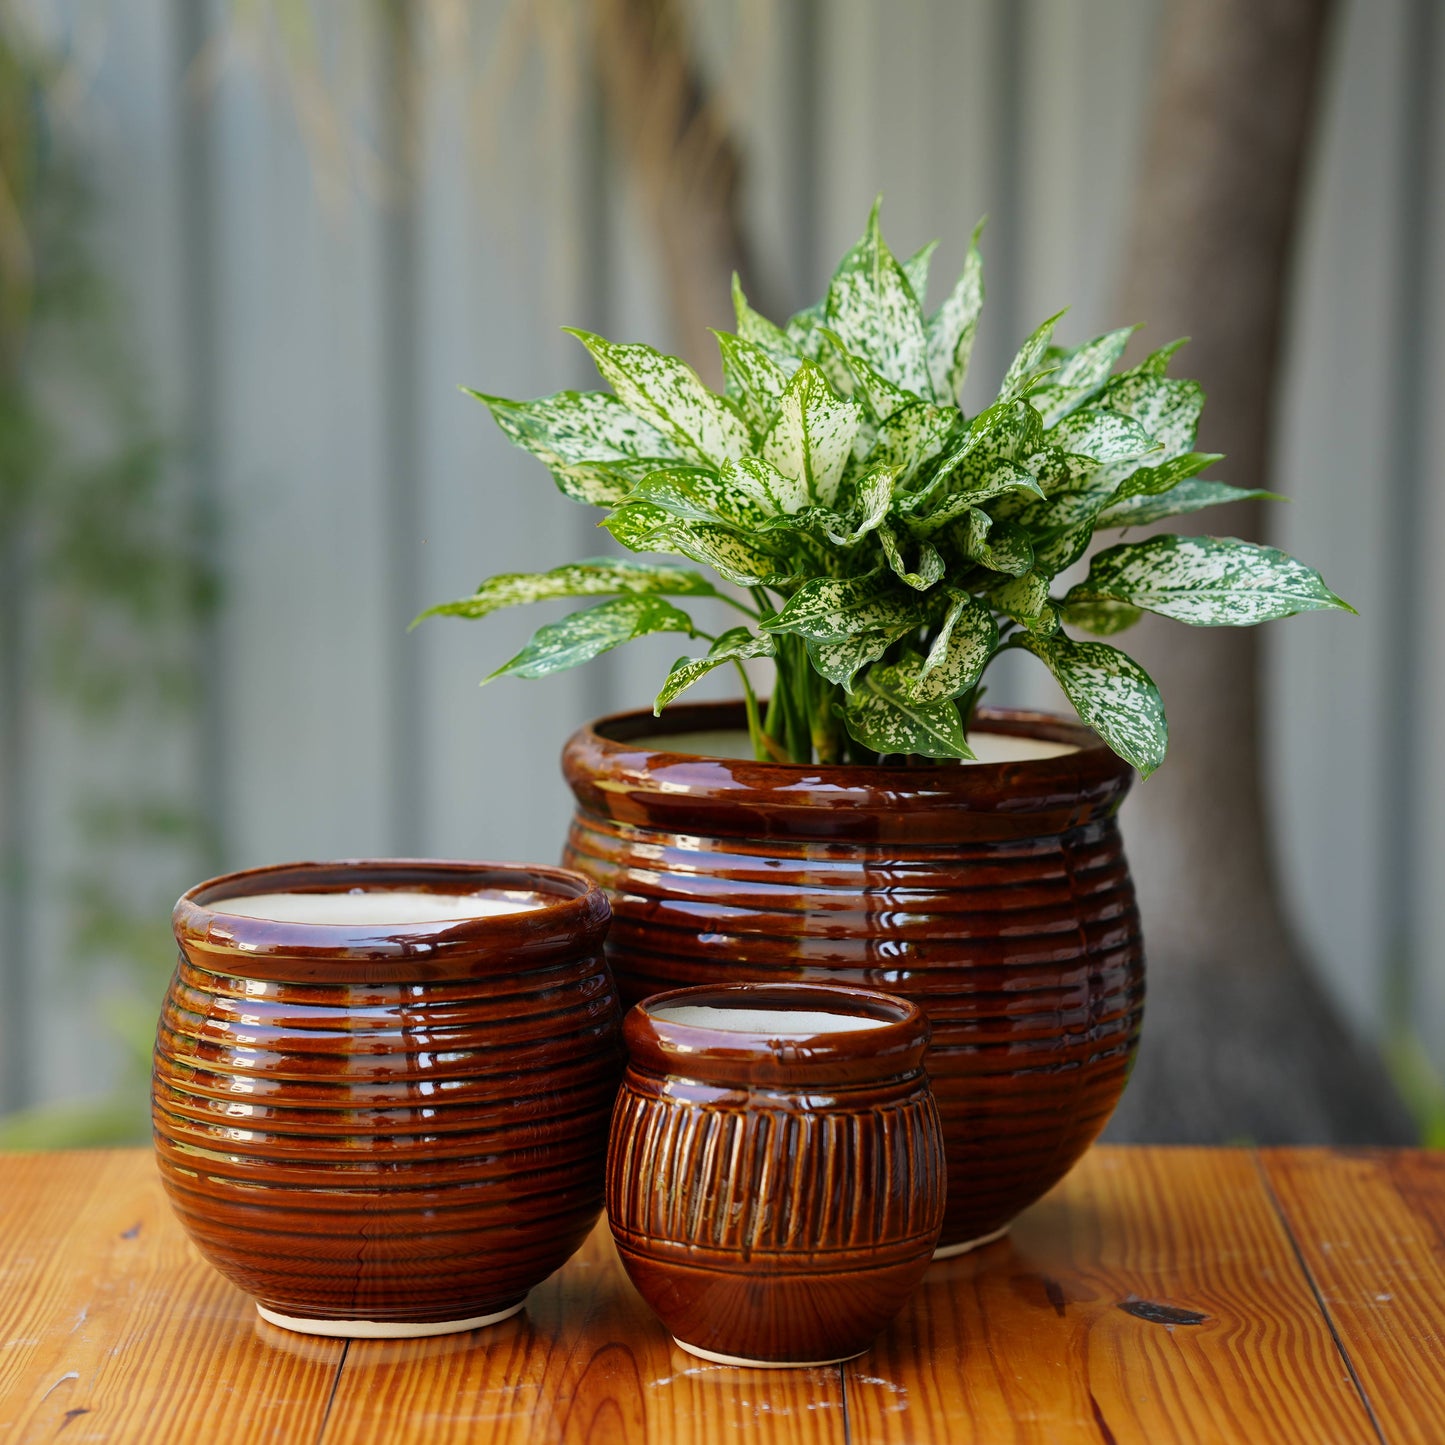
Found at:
[994, 895]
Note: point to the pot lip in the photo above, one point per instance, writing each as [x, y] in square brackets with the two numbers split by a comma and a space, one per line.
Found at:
[740, 1056]
[575, 908]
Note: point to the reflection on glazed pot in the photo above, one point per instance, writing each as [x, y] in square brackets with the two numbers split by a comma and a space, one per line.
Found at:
[996, 896]
[775, 1179]
[382, 1127]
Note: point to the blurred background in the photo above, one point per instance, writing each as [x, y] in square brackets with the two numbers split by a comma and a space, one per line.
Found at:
[251, 250]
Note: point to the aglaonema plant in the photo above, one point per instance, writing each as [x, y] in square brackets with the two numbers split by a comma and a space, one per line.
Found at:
[883, 547]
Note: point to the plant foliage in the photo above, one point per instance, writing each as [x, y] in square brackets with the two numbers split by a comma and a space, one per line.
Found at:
[884, 547]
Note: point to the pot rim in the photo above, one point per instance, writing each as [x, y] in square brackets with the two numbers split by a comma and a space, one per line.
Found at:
[574, 918]
[742, 1057]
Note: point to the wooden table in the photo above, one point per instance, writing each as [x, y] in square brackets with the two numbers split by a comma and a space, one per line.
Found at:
[1156, 1295]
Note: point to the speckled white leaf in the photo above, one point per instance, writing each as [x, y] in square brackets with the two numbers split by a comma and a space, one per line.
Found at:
[811, 438]
[881, 715]
[754, 327]
[1026, 600]
[577, 433]
[928, 568]
[841, 659]
[874, 311]
[1107, 436]
[1111, 693]
[1081, 376]
[641, 527]
[1167, 408]
[737, 644]
[913, 436]
[596, 577]
[916, 268]
[583, 635]
[875, 391]
[831, 608]
[668, 395]
[1103, 619]
[862, 505]
[1184, 497]
[699, 495]
[1206, 581]
[1025, 368]
[752, 379]
[952, 328]
[1149, 481]
[966, 640]
[999, 546]
[925, 514]
[1007, 430]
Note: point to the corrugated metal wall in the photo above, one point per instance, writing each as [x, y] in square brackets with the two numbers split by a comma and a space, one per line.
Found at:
[304, 321]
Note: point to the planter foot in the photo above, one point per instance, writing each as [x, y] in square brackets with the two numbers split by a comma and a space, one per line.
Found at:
[712, 1357]
[384, 1329]
[952, 1251]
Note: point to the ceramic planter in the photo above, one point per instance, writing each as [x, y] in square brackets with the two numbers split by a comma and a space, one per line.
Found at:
[996, 896]
[775, 1176]
[388, 1130]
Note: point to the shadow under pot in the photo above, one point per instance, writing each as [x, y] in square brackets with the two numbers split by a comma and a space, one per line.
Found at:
[775, 1176]
[381, 1089]
[995, 895]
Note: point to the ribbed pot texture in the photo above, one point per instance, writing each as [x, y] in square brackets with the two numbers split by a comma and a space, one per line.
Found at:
[372, 1123]
[996, 896]
[776, 1200]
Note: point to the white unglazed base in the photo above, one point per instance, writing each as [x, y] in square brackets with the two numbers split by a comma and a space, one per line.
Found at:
[952, 1251]
[384, 1329]
[716, 1359]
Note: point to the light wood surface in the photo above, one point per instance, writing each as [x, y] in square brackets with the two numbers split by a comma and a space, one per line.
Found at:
[1156, 1295]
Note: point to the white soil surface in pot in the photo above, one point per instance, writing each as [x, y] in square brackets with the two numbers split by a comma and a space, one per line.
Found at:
[734, 743]
[374, 906]
[770, 1023]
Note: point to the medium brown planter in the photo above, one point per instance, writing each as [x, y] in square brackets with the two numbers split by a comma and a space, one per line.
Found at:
[996, 896]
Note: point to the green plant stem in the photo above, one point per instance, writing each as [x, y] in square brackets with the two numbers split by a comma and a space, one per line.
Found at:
[750, 701]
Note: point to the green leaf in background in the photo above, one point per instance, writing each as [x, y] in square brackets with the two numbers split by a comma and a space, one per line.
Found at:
[1111, 693]
[951, 329]
[1193, 495]
[641, 527]
[876, 314]
[967, 639]
[737, 644]
[596, 577]
[828, 609]
[580, 636]
[1081, 375]
[882, 715]
[753, 381]
[1103, 619]
[811, 439]
[916, 267]
[1206, 581]
[668, 395]
[762, 333]
[579, 435]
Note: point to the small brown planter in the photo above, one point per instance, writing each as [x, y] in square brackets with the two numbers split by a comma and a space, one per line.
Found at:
[996, 896]
[386, 1130]
[775, 1177]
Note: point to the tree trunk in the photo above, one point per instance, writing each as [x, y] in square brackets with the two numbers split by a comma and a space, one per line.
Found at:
[1240, 1040]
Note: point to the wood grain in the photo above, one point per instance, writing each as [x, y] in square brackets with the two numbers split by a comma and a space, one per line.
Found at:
[1370, 1226]
[1073, 1328]
[112, 1327]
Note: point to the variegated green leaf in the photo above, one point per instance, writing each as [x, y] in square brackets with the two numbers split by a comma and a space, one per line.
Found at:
[1193, 495]
[754, 382]
[1167, 408]
[1103, 619]
[668, 395]
[1081, 375]
[699, 495]
[762, 333]
[882, 715]
[583, 635]
[1111, 693]
[1150, 481]
[1030, 363]
[577, 434]
[841, 659]
[952, 328]
[980, 480]
[915, 268]
[596, 577]
[1006, 431]
[1107, 436]
[737, 644]
[966, 640]
[912, 437]
[876, 314]
[927, 570]
[873, 389]
[1026, 600]
[641, 527]
[828, 609]
[999, 546]
[811, 438]
[1206, 581]
[862, 504]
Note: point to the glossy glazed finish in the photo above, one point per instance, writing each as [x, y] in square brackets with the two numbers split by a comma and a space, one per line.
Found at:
[996, 896]
[394, 1124]
[776, 1200]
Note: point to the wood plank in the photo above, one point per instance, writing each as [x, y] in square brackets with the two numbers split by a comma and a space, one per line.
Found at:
[1033, 1339]
[1370, 1226]
[113, 1328]
[585, 1361]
